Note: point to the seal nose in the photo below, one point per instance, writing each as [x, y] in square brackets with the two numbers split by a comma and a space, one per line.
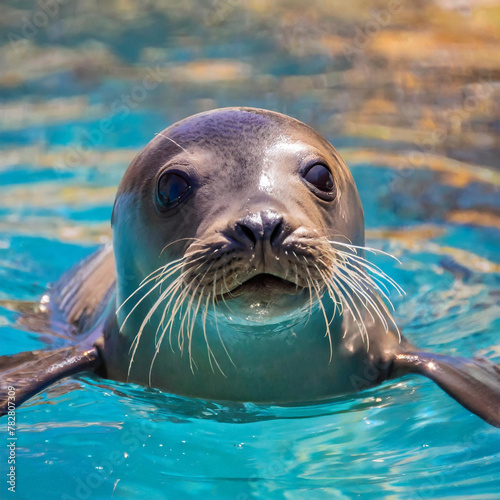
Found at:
[262, 227]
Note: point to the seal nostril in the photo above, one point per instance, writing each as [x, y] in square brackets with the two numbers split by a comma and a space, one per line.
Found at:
[262, 227]
[248, 233]
[276, 231]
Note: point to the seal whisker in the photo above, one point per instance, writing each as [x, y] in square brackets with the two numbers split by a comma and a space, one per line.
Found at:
[361, 288]
[163, 278]
[178, 308]
[171, 290]
[145, 281]
[364, 298]
[177, 279]
[191, 317]
[376, 283]
[186, 258]
[171, 320]
[326, 275]
[344, 297]
[331, 294]
[166, 274]
[330, 290]
[355, 312]
[174, 288]
[188, 316]
[309, 289]
[161, 298]
[178, 284]
[353, 277]
[327, 324]
[171, 272]
[373, 282]
[217, 327]
[296, 277]
[367, 280]
[354, 281]
[225, 283]
[389, 315]
[190, 333]
[148, 316]
[315, 285]
[177, 241]
[174, 295]
[363, 277]
[334, 232]
[204, 327]
[159, 270]
[228, 291]
[370, 265]
[366, 248]
[209, 350]
[171, 140]
[310, 301]
[374, 269]
[135, 343]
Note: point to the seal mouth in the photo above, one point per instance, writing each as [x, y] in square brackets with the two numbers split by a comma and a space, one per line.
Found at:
[265, 284]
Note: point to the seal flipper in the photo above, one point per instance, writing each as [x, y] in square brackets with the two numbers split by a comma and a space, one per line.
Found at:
[474, 383]
[80, 296]
[79, 300]
[25, 374]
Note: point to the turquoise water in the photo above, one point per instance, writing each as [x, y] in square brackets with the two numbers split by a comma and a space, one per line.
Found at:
[88, 438]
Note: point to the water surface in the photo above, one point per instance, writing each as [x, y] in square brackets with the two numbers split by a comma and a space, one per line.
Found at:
[415, 114]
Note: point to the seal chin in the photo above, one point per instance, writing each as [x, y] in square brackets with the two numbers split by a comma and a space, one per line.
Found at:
[264, 298]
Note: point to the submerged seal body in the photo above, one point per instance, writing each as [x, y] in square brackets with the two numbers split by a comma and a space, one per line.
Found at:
[238, 272]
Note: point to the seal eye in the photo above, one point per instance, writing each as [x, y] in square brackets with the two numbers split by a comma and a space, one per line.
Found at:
[171, 189]
[320, 177]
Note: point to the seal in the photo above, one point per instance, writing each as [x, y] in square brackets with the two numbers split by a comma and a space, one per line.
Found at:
[238, 272]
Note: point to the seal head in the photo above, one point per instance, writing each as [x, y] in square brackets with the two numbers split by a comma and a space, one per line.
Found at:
[251, 194]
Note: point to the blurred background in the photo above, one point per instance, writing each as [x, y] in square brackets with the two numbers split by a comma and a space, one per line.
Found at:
[84, 85]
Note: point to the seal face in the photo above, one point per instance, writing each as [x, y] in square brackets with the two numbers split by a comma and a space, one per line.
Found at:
[233, 237]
